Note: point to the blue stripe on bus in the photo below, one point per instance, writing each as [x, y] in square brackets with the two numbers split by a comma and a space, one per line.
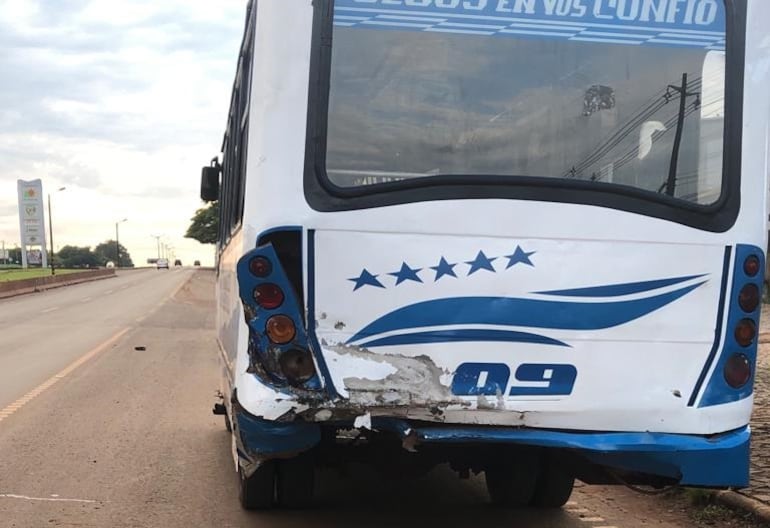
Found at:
[506, 311]
[717, 328]
[615, 290]
[460, 335]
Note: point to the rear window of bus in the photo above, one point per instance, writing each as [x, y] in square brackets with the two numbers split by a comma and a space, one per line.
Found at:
[615, 93]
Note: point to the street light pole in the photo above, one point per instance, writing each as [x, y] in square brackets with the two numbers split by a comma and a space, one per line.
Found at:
[117, 242]
[50, 229]
[157, 239]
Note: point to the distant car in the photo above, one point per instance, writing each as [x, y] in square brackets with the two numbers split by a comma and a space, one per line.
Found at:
[197, 263]
[177, 262]
[162, 263]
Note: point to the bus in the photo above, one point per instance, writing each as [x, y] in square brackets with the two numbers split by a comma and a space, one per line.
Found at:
[525, 238]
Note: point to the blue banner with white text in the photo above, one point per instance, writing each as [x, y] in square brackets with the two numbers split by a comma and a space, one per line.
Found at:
[675, 23]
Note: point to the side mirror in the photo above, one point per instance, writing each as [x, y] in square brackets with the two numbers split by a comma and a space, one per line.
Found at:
[210, 182]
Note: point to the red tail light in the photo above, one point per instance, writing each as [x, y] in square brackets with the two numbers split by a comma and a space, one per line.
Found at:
[260, 267]
[748, 299]
[751, 266]
[745, 332]
[737, 371]
[268, 296]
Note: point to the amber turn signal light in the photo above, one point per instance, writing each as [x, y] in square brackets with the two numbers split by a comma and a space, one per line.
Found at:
[280, 329]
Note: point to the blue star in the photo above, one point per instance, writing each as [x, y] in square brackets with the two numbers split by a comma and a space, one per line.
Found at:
[519, 257]
[444, 268]
[366, 279]
[406, 273]
[481, 262]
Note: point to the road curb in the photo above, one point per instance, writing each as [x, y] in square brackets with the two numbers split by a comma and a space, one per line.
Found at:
[36, 285]
[739, 501]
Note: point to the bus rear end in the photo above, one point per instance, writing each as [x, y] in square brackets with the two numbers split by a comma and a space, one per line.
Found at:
[529, 242]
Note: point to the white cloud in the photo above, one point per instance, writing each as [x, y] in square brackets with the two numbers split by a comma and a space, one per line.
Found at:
[122, 102]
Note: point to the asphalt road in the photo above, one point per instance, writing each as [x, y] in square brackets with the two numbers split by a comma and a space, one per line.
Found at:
[125, 437]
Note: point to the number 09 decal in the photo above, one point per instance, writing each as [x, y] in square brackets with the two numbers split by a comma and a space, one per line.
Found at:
[530, 379]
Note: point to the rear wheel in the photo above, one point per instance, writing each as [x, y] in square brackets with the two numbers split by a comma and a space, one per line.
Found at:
[554, 485]
[295, 481]
[257, 492]
[511, 482]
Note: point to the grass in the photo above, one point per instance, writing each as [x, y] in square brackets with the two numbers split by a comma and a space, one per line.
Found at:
[706, 513]
[7, 275]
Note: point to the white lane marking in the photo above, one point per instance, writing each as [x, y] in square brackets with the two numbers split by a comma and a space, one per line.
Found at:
[592, 519]
[86, 299]
[108, 292]
[49, 310]
[37, 391]
[54, 498]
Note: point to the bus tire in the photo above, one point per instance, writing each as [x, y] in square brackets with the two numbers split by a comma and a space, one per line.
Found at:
[554, 485]
[295, 482]
[511, 484]
[257, 492]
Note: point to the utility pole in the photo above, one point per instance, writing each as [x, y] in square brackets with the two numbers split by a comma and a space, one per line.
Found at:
[50, 228]
[683, 95]
[117, 242]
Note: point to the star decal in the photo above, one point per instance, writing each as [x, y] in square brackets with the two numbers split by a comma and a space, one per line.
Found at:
[406, 273]
[366, 279]
[444, 268]
[481, 262]
[519, 257]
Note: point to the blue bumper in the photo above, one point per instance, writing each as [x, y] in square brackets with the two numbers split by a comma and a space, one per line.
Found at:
[715, 461]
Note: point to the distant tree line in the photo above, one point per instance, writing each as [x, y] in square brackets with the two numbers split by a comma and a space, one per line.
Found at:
[84, 257]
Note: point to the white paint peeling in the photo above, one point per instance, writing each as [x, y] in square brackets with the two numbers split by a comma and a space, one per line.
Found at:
[363, 422]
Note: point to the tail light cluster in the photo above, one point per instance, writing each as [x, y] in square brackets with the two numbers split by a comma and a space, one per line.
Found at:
[278, 343]
[739, 365]
[732, 378]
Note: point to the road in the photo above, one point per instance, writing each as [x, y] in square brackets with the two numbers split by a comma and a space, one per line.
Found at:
[105, 397]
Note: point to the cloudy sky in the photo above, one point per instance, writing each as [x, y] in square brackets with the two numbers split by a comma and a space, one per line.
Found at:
[121, 102]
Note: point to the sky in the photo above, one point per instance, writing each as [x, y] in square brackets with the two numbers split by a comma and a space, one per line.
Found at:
[121, 102]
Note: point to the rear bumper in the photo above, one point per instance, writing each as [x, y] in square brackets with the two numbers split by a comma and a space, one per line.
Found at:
[714, 461]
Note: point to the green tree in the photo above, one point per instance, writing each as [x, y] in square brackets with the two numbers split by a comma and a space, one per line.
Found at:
[105, 252]
[14, 255]
[204, 225]
[76, 257]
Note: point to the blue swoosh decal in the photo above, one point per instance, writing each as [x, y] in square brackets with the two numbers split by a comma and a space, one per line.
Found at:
[615, 290]
[456, 336]
[507, 311]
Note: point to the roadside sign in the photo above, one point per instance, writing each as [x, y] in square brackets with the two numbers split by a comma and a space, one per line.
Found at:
[32, 221]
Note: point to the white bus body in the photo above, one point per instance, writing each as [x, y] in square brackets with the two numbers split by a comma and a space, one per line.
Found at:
[389, 188]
